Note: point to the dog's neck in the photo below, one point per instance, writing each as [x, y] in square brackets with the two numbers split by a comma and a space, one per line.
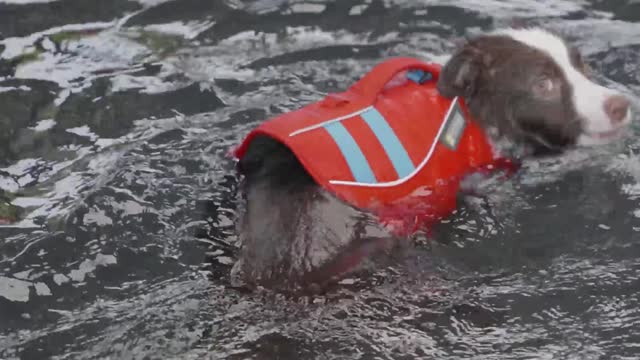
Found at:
[503, 147]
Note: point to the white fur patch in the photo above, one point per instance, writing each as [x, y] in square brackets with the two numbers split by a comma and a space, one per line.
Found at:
[588, 97]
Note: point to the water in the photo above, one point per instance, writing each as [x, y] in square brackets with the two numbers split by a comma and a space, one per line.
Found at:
[119, 198]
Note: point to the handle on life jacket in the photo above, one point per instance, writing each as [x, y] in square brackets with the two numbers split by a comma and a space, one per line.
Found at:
[368, 87]
[373, 82]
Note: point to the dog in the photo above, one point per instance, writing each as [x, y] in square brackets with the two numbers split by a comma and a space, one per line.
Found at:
[527, 86]
[534, 88]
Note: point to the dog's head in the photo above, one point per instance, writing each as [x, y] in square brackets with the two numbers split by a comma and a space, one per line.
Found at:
[534, 89]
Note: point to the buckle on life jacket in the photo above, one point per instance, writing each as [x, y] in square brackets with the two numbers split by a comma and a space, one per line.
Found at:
[419, 76]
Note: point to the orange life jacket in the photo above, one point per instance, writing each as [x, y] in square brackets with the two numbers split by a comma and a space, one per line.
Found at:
[398, 151]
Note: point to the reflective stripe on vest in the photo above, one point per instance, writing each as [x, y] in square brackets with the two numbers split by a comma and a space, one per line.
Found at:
[353, 154]
[356, 159]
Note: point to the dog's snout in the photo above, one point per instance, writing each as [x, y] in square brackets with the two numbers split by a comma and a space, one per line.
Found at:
[616, 107]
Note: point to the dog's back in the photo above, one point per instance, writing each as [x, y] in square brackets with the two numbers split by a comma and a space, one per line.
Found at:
[294, 234]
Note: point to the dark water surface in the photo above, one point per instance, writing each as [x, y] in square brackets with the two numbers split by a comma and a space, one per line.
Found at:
[116, 121]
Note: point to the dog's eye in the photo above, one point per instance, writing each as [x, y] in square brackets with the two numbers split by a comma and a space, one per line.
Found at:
[543, 86]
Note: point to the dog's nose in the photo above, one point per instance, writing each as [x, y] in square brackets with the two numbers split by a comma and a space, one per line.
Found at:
[616, 107]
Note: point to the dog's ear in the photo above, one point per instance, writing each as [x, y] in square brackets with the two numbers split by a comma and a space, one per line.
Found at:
[459, 75]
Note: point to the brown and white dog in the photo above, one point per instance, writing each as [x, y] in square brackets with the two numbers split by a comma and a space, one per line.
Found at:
[534, 88]
[524, 85]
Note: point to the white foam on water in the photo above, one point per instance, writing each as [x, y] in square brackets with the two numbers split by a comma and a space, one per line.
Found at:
[597, 35]
[358, 9]
[151, 3]
[23, 275]
[28, 202]
[298, 38]
[83, 131]
[188, 30]
[545, 170]
[146, 84]
[62, 195]
[24, 2]
[13, 88]
[14, 289]
[308, 8]
[228, 58]
[129, 207]
[107, 142]
[261, 6]
[62, 97]
[21, 175]
[44, 125]
[21, 167]
[88, 266]
[42, 289]
[97, 217]
[505, 9]
[225, 260]
[60, 279]
[57, 201]
[628, 165]
[176, 302]
[87, 57]
[16, 46]
[8, 184]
